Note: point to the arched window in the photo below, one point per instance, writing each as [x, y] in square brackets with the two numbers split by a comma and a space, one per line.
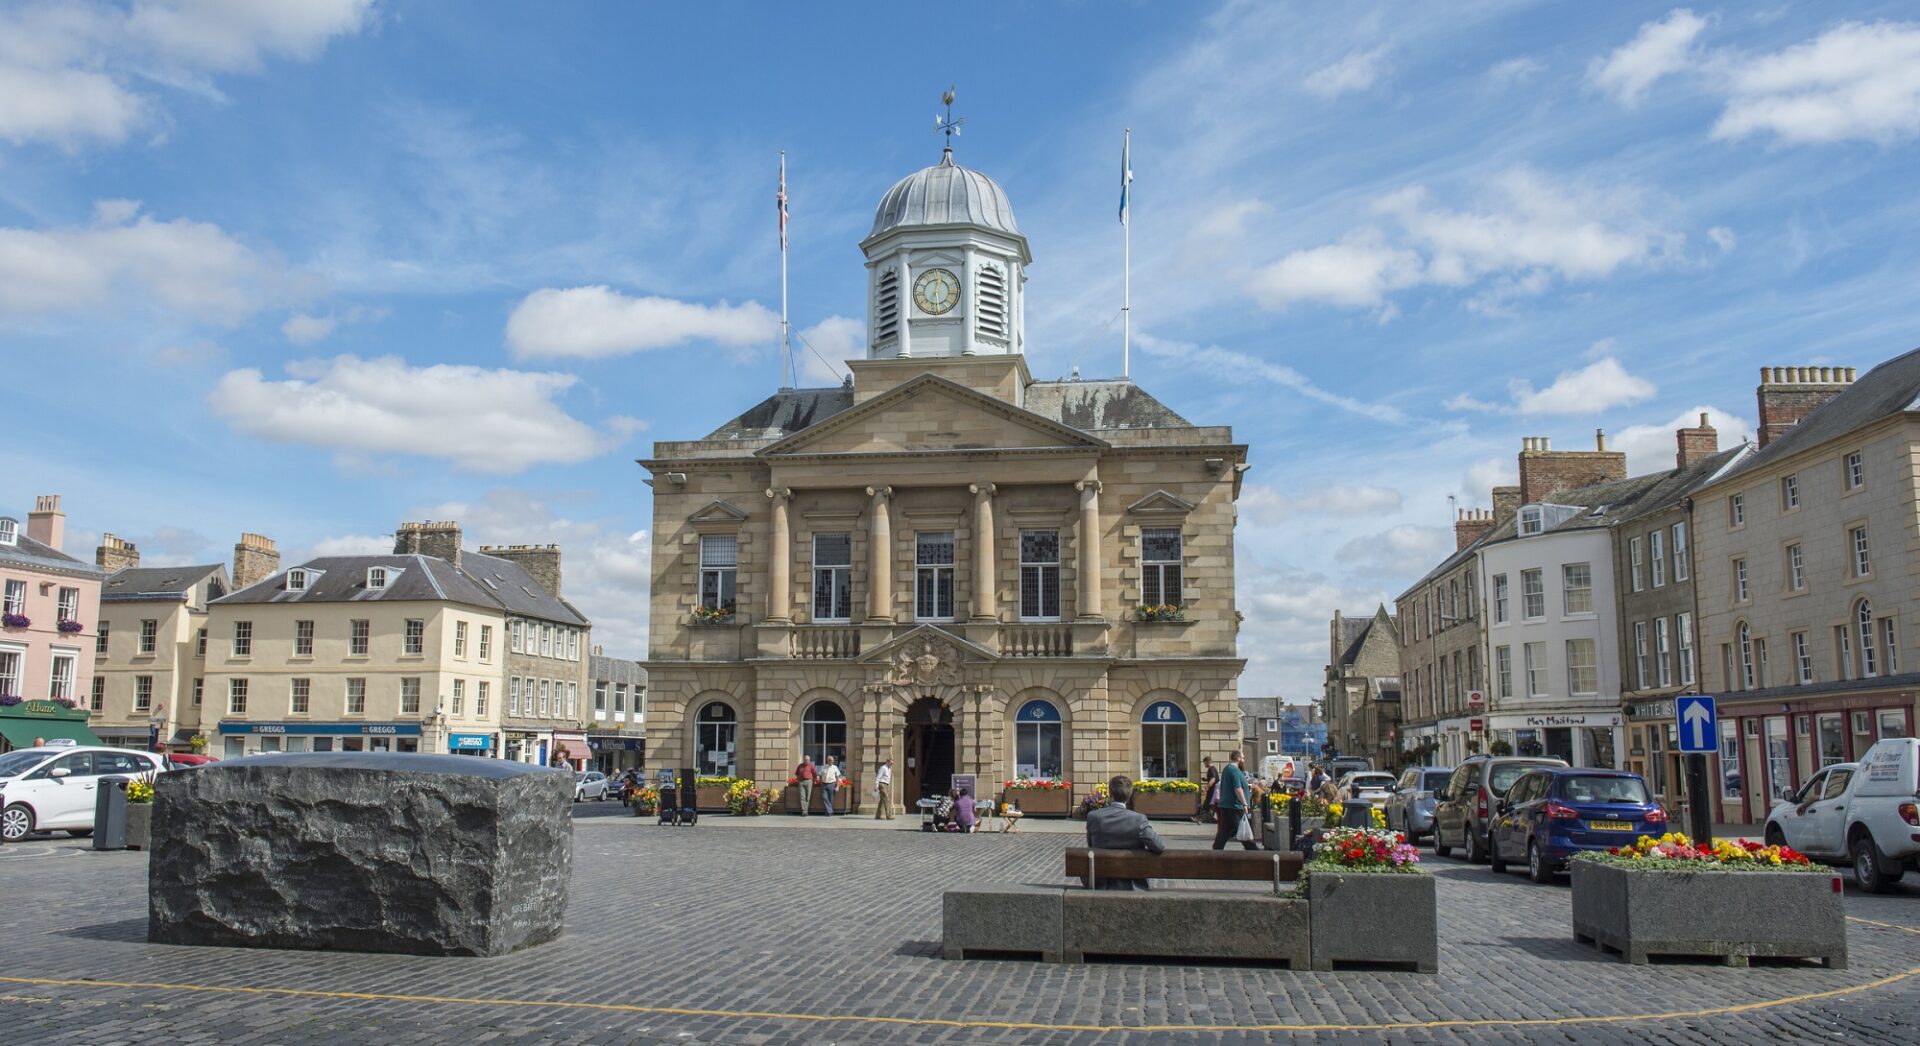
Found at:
[716, 729]
[823, 733]
[1869, 659]
[1163, 741]
[1037, 744]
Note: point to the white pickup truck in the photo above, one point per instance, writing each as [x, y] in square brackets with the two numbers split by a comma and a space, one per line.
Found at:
[1866, 814]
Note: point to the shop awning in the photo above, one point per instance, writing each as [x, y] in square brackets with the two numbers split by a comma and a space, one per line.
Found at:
[21, 732]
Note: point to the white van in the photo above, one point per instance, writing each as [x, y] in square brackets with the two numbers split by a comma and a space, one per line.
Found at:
[1866, 814]
[43, 789]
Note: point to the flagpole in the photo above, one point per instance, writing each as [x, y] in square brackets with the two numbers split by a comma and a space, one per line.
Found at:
[1126, 255]
[786, 346]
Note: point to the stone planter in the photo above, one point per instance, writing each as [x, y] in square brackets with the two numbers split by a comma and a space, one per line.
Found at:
[139, 826]
[1386, 918]
[1731, 915]
[1164, 804]
[1040, 802]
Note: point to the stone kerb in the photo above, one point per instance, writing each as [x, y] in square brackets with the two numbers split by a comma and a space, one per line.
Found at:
[372, 852]
[1731, 915]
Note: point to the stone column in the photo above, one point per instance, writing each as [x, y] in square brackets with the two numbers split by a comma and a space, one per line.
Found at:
[983, 545]
[1088, 540]
[880, 548]
[780, 570]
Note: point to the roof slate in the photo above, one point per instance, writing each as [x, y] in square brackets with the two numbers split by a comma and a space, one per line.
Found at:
[138, 584]
[343, 579]
[30, 553]
[785, 413]
[1090, 406]
[1886, 390]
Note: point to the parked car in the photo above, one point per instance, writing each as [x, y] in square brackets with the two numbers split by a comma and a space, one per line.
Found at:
[1465, 807]
[46, 789]
[591, 784]
[1410, 808]
[182, 760]
[1866, 814]
[1367, 786]
[1347, 764]
[1548, 816]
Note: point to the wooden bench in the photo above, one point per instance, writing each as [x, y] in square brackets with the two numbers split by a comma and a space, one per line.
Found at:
[1247, 866]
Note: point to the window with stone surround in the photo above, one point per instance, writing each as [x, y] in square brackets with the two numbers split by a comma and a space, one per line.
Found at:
[1499, 599]
[1736, 510]
[1789, 493]
[543, 698]
[97, 701]
[600, 697]
[719, 570]
[1503, 670]
[1642, 663]
[513, 695]
[410, 695]
[480, 690]
[100, 638]
[1744, 634]
[143, 693]
[301, 695]
[1682, 566]
[149, 636]
[243, 639]
[1583, 667]
[486, 643]
[1576, 580]
[1802, 659]
[1856, 471]
[832, 577]
[1040, 575]
[1536, 654]
[1533, 595]
[459, 697]
[359, 633]
[1796, 569]
[460, 640]
[1740, 590]
[1160, 566]
[303, 639]
[1657, 556]
[236, 697]
[199, 692]
[933, 576]
[1662, 653]
[356, 696]
[414, 642]
[1888, 647]
[1862, 564]
[1869, 656]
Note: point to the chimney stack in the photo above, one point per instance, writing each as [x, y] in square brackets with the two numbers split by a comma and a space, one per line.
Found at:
[1469, 524]
[46, 523]
[1545, 472]
[540, 561]
[115, 554]
[1788, 394]
[1506, 501]
[440, 540]
[255, 559]
[1696, 443]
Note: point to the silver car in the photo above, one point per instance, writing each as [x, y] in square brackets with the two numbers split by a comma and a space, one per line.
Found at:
[591, 784]
[1410, 808]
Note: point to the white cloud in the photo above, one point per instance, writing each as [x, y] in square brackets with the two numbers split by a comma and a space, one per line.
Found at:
[1358, 272]
[1482, 476]
[1355, 72]
[1514, 70]
[1403, 552]
[1287, 610]
[1723, 238]
[1268, 506]
[305, 329]
[1651, 448]
[838, 338]
[1599, 386]
[1238, 366]
[1853, 81]
[344, 545]
[78, 71]
[497, 421]
[1659, 49]
[600, 321]
[191, 266]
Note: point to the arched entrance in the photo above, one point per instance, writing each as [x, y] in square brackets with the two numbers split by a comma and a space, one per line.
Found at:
[929, 750]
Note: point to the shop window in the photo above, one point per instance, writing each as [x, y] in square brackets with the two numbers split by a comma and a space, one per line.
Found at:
[1163, 741]
[715, 731]
[1038, 746]
[823, 733]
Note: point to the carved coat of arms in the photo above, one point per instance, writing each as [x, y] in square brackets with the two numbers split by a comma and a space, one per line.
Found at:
[926, 661]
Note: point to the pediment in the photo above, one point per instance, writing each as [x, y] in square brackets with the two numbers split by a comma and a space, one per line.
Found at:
[931, 413]
[723, 513]
[926, 638]
[1160, 503]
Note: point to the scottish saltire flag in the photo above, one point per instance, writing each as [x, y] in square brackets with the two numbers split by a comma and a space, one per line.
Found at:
[781, 199]
[1126, 172]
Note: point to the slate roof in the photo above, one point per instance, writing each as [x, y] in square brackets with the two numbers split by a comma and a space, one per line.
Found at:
[1089, 406]
[27, 552]
[601, 668]
[785, 413]
[514, 588]
[481, 581]
[1353, 633]
[154, 584]
[1260, 707]
[1891, 388]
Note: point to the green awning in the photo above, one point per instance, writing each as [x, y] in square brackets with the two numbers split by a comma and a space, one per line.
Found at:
[21, 732]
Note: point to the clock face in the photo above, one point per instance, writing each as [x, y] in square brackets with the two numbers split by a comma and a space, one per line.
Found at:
[936, 292]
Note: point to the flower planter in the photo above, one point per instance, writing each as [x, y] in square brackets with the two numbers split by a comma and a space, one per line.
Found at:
[1164, 804]
[139, 826]
[1732, 915]
[1040, 802]
[1386, 918]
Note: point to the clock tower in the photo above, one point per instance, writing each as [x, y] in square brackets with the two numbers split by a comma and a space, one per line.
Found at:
[946, 268]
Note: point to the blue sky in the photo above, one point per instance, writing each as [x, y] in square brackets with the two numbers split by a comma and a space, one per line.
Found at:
[311, 268]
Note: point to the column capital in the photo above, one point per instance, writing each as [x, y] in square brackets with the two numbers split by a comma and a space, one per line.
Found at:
[1088, 484]
[780, 493]
[987, 489]
[879, 492]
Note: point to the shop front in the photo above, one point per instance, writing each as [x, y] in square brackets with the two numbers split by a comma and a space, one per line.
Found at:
[1580, 738]
[1653, 751]
[617, 753]
[244, 739]
[472, 744]
[569, 749]
[28, 723]
[1771, 742]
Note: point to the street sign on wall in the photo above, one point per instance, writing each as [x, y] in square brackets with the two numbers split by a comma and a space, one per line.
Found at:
[1699, 731]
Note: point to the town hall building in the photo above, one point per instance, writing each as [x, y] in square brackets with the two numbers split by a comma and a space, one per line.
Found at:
[945, 562]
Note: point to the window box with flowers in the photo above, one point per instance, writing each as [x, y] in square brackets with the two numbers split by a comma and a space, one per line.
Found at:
[1369, 901]
[1165, 799]
[70, 626]
[1730, 900]
[16, 621]
[705, 615]
[1040, 796]
[1160, 612]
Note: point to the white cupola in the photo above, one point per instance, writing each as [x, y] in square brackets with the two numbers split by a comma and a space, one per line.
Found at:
[946, 267]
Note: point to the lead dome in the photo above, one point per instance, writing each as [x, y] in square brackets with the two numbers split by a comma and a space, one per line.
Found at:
[944, 194]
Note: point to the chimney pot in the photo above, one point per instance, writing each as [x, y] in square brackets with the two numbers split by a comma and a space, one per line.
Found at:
[1600, 439]
[46, 523]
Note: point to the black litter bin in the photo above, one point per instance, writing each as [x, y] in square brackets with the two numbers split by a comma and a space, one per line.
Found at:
[110, 814]
[1356, 813]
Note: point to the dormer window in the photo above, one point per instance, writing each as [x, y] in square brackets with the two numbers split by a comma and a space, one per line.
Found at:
[9, 532]
[1530, 520]
[376, 577]
[296, 581]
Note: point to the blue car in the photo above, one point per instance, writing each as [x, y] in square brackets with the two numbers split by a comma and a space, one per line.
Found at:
[1549, 815]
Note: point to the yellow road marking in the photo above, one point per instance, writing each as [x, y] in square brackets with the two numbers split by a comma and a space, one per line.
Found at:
[938, 1022]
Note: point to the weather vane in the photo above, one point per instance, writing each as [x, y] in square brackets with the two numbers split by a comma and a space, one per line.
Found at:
[947, 124]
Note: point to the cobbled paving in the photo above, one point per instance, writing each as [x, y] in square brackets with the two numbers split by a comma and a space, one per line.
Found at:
[762, 934]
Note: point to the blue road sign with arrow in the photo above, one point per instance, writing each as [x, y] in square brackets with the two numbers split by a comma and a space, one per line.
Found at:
[1698, 731]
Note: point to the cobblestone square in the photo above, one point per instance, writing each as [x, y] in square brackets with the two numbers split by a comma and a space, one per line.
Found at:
[772, 932]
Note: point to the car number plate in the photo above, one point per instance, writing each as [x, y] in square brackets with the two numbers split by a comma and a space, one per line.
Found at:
[1611, 826]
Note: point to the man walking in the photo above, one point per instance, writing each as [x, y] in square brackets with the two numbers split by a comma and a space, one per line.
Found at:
[829, 784]
[1234, 797]
[1114, 827]
[883, 792]
[804, 775]
[1209, 777]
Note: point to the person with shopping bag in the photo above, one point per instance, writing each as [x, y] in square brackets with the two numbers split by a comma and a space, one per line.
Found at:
[1230, 815]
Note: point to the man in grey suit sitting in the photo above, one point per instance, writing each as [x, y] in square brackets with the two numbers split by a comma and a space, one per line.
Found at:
[1114, 827]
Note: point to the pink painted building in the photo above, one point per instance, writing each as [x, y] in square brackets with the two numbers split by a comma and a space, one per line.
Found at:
[49, 614]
